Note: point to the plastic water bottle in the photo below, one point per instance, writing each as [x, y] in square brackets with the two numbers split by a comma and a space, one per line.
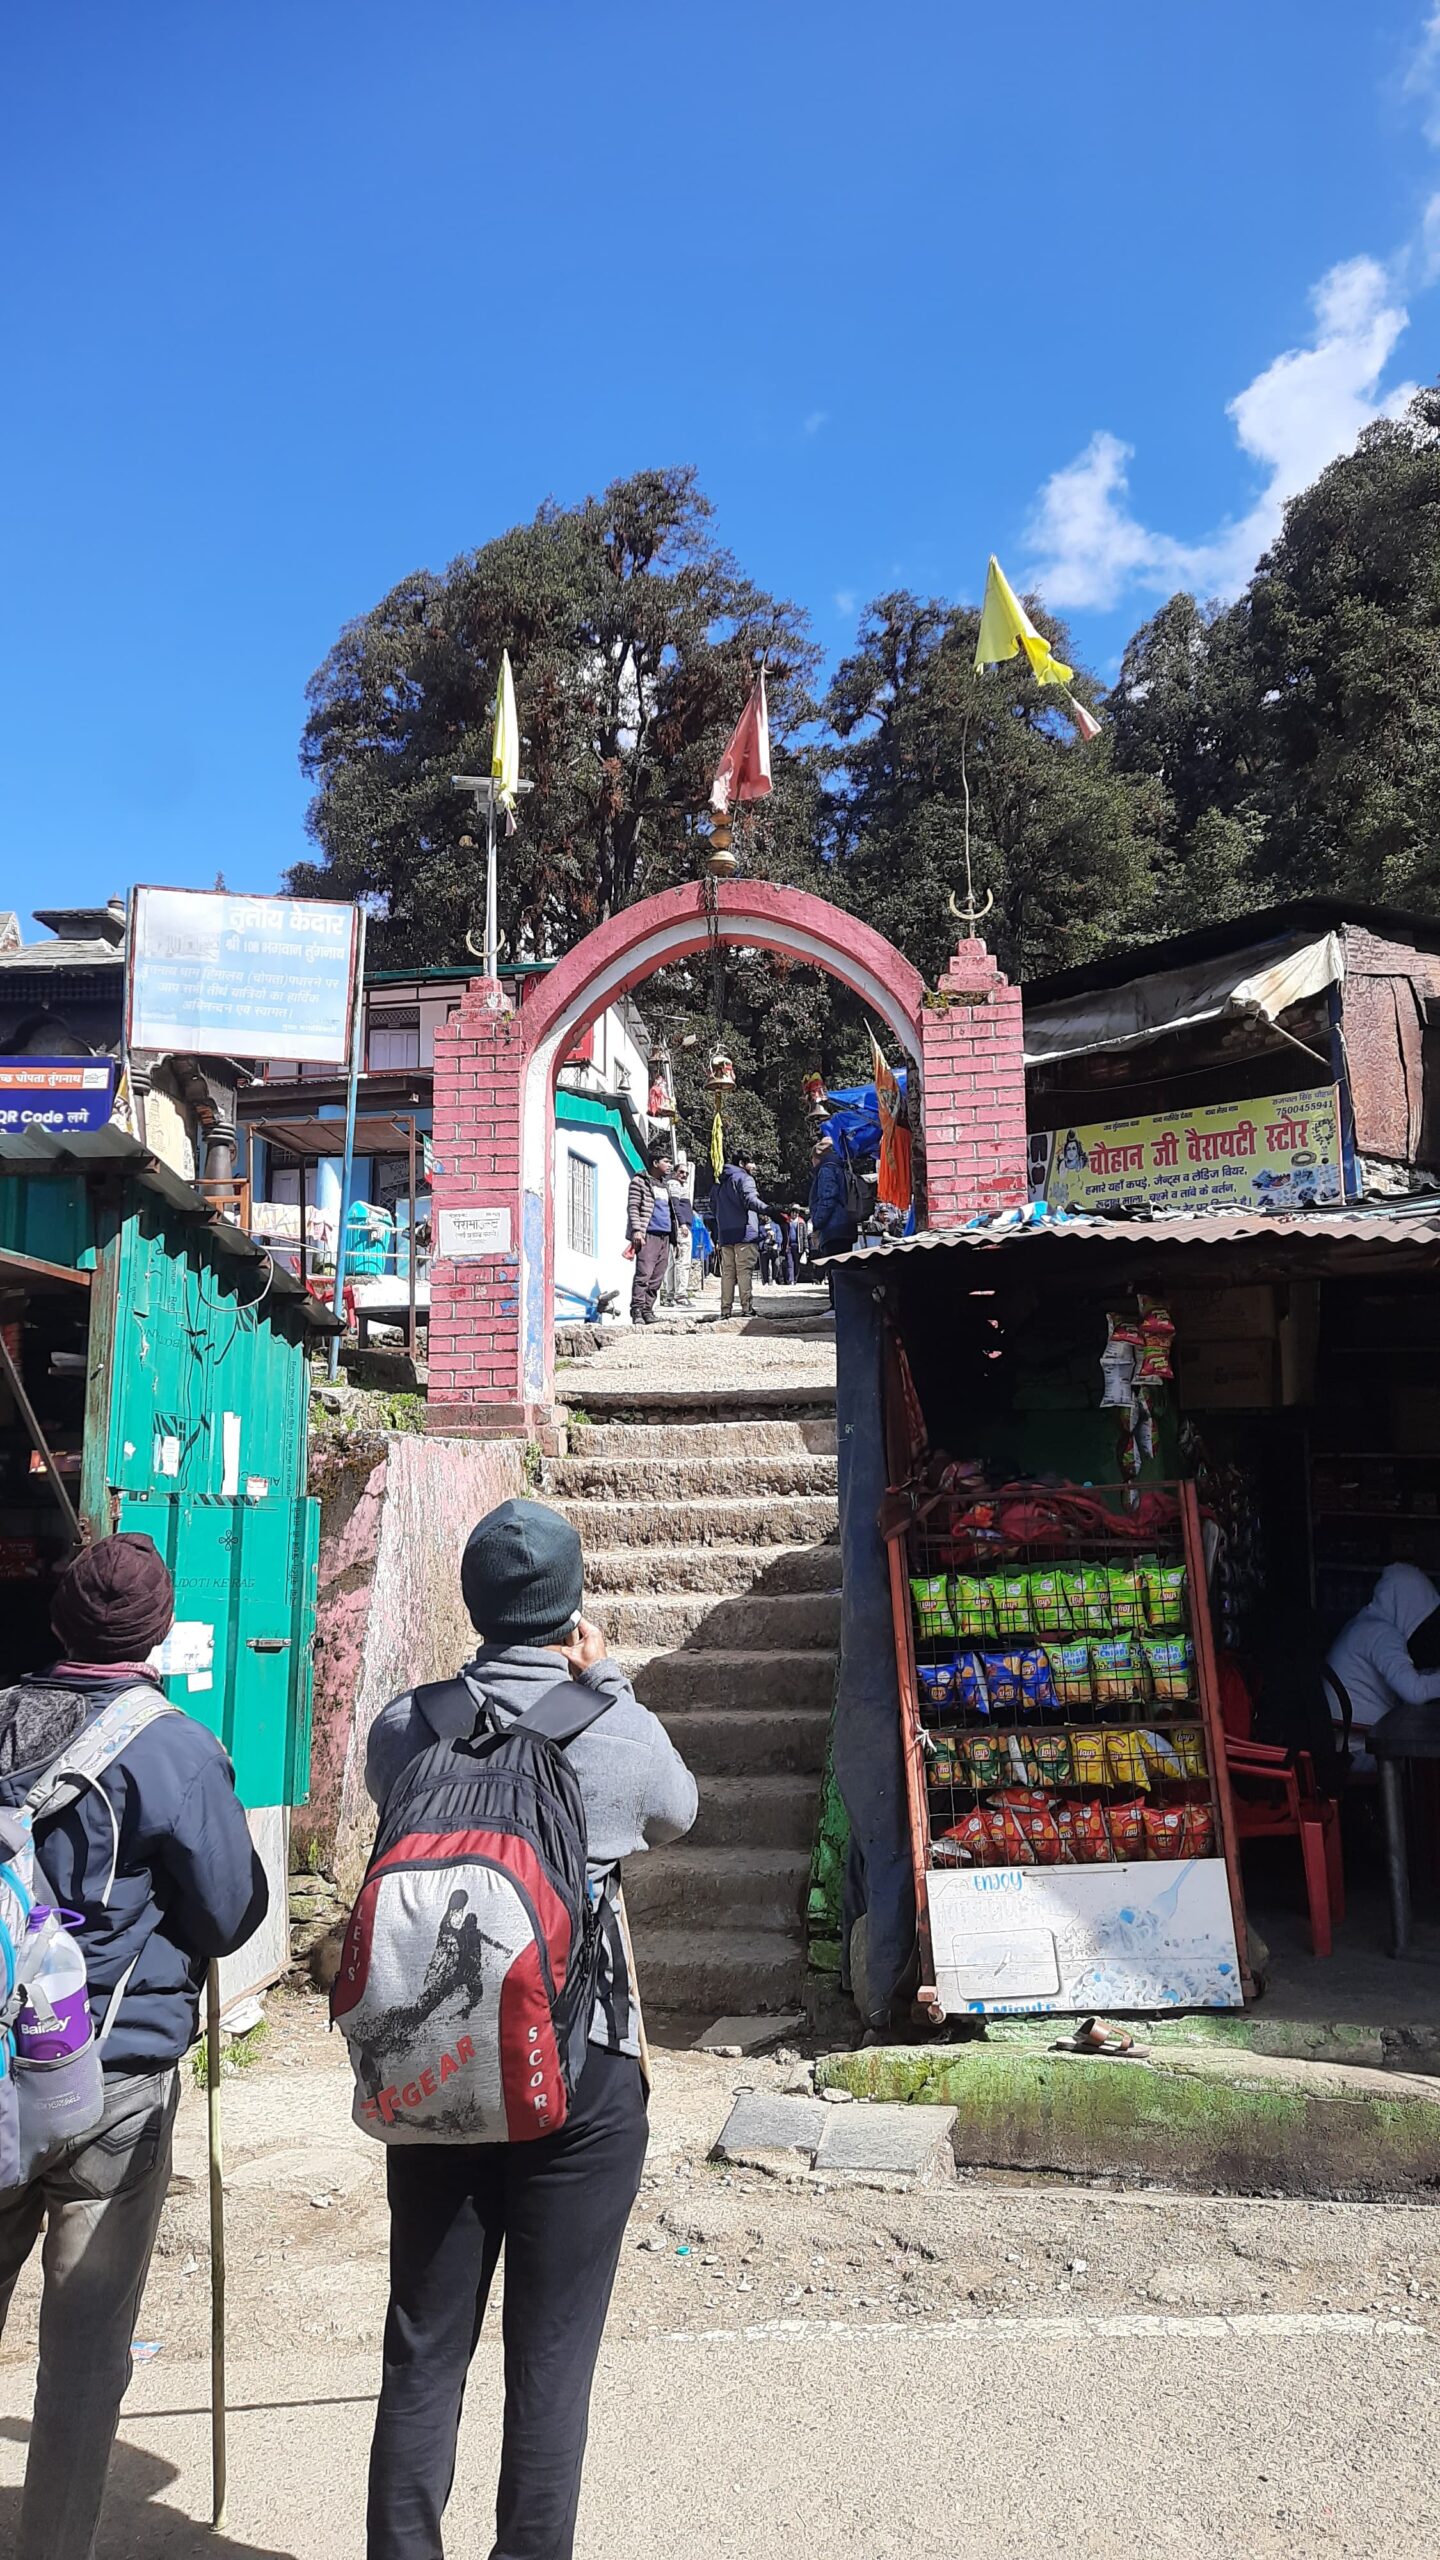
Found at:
[55, 2021]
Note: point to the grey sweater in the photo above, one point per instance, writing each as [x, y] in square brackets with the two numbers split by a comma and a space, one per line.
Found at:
[638, 1793]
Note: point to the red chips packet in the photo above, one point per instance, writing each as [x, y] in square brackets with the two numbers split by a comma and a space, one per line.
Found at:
[1127, 1828]
[1083, 1834]
[1165, 1830]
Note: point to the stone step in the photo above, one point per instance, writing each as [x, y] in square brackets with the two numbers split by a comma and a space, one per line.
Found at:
[774, 1810]
[742, 1622]
[619, 1397]
[775, 1439]
[727, 1478]
[719, 1972]
[780, 1520]
[718, 1887]
[733, 1742]
[699, 1675]
[728, 1566]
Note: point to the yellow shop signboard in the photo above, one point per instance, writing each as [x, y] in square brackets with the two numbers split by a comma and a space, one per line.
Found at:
[1279, 1153]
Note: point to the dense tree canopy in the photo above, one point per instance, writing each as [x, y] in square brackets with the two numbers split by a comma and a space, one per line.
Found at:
[1287, 743]
[633, 637]
[1297, 733]
[1065, 843]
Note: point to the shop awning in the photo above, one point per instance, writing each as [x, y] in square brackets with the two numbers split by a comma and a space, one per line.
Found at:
[1258, 985]
[36, 1152]
[1386, 1234]
[314, 1139]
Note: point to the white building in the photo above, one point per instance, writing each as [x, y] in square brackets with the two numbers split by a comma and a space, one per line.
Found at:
[602, 1129]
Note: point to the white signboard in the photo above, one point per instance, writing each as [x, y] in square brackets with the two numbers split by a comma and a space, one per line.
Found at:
[1035, 1939]
[241, 977]
[467, 1235]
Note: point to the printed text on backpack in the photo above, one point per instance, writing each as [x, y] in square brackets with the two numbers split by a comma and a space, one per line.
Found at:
[468, 1970]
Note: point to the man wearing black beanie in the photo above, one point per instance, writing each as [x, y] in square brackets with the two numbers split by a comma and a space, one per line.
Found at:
[558, 2206]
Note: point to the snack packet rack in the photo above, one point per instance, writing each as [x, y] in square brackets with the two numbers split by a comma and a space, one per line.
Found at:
[1070, 1814]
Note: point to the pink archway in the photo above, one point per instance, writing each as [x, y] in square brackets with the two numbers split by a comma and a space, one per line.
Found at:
[491, 1335]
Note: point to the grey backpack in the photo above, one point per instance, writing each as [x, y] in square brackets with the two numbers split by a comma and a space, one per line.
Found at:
[47, 2101]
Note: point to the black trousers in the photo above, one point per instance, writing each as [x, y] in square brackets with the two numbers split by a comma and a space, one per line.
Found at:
[559, 2209]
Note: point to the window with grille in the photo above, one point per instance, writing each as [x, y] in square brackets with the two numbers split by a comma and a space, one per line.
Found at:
[393, 1039]
[583, 1193]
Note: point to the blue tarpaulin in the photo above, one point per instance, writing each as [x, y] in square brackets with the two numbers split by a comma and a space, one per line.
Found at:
[855, 1117]
[869, 1769]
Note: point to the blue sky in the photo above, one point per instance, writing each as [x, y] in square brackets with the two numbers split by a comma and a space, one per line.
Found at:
[302, 295]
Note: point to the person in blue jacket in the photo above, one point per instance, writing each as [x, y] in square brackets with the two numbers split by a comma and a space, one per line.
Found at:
[738, 1212]
[833, 1222]
[187, 1887]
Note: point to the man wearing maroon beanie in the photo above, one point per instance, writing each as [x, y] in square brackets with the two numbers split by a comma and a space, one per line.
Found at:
[156, 1859]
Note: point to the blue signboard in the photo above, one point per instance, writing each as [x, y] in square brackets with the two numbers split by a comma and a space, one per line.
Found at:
[241, 977]
[60, 1095]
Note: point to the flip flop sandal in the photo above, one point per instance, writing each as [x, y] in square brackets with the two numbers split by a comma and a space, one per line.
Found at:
[1097, 2036]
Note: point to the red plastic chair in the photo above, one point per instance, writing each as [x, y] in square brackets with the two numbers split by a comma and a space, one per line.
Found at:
[1276, 1798]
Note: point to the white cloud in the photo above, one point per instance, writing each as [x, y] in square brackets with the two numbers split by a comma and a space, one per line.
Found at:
[846, 600]
[1306, 407]
[817, 419]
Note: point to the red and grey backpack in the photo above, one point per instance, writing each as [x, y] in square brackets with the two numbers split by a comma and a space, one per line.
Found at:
[467, 1978]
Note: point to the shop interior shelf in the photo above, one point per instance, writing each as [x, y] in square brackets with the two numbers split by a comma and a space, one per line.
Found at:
[1429, 1519]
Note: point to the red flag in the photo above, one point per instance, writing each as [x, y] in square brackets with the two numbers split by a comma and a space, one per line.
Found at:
[743, 772]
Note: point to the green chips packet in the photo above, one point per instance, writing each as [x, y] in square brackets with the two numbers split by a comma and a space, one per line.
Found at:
[1122, 1582]
[1170, 1663]
[1086, 1595]
[1164, 1589]
[1049, 1615]
[973, 1606]
[1010, 1593]
[1117, 1672]
[934, 1615]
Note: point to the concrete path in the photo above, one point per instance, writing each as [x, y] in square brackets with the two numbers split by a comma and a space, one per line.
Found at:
[1029, 2440]
[795, 2366]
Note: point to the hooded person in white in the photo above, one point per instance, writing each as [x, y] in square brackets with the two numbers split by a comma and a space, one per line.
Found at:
[1371, 1655]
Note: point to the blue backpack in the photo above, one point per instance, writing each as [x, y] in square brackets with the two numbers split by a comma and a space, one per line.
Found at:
[45, 2102]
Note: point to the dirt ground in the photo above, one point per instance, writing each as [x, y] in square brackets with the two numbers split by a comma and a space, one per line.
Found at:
[306, 2229]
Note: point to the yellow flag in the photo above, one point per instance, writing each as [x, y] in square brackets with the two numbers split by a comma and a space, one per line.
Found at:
[1005, 627]
[505, 749]
[717, 1145]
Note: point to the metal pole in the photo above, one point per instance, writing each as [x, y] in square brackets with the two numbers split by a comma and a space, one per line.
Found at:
[347, 1177]
[414, 1338]
[217, 2252]
[1397, 1862]
[31, 1421]
[492, 910]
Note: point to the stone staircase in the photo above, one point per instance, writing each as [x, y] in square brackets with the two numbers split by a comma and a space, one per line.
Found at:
[708, 1515]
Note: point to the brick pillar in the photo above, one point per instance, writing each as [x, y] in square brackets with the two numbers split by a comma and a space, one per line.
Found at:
[973, 1055]
[476, 1368]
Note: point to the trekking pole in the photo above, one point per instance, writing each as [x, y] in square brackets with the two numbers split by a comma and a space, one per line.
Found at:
[217, 2252]
[623, 1916]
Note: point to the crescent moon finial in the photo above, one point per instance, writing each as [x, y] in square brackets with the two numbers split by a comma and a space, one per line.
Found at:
[972, 915]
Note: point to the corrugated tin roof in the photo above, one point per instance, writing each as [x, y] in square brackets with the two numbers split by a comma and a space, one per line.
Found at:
[1412, 1223]
[60, 954]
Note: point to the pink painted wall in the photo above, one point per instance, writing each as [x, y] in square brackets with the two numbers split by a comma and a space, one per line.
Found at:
[392, 1528]
[976, 1154]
